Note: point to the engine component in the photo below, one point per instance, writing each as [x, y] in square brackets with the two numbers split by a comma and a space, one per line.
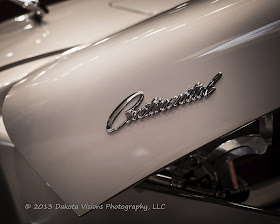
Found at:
[215, 174]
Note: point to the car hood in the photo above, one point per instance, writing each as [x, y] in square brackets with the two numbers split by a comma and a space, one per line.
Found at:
[27, 44]
[57, 116]
[69, 24]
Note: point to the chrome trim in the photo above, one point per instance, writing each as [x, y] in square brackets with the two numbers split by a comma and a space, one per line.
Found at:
[33, 5]
[158, 105]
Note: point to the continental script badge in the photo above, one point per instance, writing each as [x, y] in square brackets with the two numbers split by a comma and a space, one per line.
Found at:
[158, 105]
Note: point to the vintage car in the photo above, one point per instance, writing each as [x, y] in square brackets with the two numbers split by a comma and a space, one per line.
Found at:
[141, 111]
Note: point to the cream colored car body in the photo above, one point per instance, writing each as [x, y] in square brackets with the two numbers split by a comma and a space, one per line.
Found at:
[56, 116]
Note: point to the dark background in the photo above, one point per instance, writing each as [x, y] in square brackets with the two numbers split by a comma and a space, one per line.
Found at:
[9, 9]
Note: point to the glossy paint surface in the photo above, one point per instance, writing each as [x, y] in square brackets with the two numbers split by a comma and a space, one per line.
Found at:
[10, 76]
[57, 116]
[19, 176]
[68, 24]
[145, 7]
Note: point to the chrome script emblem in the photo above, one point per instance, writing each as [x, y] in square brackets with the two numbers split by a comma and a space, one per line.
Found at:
[158, 105]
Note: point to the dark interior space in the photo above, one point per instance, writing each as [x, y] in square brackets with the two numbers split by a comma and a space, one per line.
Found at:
[9, 9]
